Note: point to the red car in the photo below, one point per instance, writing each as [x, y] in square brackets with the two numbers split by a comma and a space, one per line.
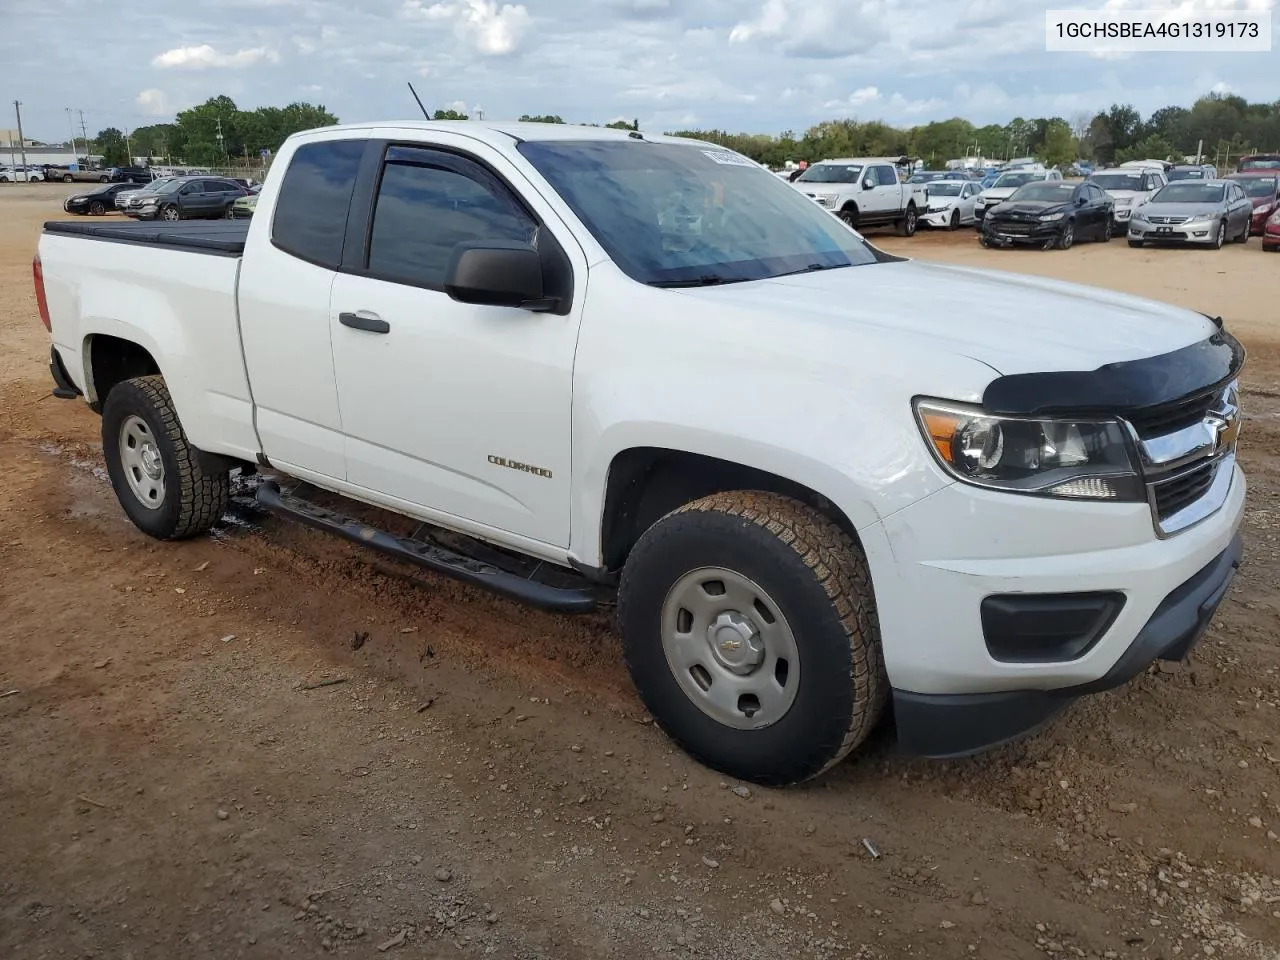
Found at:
[1263, 188]
[1271, 233]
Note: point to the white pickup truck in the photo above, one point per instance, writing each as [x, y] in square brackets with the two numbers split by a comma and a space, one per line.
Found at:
[817, 478]
[866, 192]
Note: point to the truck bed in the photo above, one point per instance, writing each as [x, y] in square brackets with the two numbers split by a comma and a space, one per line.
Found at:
[219, 238]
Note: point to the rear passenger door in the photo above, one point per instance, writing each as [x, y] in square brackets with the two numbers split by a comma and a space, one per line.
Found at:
[291, 256]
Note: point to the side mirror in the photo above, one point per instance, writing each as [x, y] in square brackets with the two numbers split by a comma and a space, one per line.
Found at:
[868, 184]
[497, 274]
[1081, 201]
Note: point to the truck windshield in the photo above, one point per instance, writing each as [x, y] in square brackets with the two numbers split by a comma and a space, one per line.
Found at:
[685, 215]
[1259, 163]
[1118, 181]
[831, 173]
[1257, 186]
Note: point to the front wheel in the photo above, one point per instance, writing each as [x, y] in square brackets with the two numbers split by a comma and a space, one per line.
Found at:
[104, 179]
[1221, 236]
[850, 216]
[97, 208]
[153, 468]
[748, 624]
[66, 178]
[1068, 236]
[910, 220]
[955, 220]
[170, 213]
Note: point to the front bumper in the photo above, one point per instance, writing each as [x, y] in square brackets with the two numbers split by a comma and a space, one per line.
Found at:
[941, 218]
[1258, 225]
[1007, 233]
[942, 725]
[1200, 231]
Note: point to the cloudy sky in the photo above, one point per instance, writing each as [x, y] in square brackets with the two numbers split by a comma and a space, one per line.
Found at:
[751, 65]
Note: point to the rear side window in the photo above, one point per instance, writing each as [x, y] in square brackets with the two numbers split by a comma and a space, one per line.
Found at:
[886, 176]
[311, 209]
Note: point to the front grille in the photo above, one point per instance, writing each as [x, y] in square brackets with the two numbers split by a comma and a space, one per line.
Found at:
[1168, 219]
[1006, 226]
[1172, 417]
[1171, 496]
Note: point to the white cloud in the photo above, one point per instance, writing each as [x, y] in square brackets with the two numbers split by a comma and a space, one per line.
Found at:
[859, 98]
[814, 28]
[1221, 88]
[204, 56]
[154, 103]
[490, 29]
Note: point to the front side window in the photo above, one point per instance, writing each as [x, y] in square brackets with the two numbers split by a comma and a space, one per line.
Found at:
[886, 176]
[310, 218]
[191, 189]
[673, 214]
[429, 203]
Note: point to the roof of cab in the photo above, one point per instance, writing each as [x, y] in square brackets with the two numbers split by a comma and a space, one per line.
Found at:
[502, 133]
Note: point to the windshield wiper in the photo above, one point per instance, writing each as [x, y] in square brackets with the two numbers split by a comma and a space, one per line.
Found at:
[709, 280]
[811, 268]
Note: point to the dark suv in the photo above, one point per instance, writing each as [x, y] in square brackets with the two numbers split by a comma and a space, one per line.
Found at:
[186, 198]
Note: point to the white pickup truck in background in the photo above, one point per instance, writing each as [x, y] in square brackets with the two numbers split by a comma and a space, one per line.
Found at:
[816, 477]
[866, 192]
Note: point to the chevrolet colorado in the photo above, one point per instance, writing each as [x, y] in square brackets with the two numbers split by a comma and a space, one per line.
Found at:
[817, 478]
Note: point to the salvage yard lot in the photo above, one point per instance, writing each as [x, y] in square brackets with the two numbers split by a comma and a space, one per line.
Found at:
[265, 743]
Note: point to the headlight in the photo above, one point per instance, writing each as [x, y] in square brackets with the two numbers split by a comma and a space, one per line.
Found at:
[1051, 216]
[1274, 218]
[1074, 459]
[1196, 218]
[1124, 201]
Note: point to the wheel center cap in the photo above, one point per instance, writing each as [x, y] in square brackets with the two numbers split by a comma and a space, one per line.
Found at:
[735, 642]
[150, 457]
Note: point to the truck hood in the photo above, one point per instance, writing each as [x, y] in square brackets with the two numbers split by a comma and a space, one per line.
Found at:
[998, 193]
[1013, 323]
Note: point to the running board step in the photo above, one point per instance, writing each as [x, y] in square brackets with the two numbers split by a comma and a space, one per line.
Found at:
[431, 556]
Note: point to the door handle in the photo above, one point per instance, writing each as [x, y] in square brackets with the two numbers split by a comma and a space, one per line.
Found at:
[364, 320]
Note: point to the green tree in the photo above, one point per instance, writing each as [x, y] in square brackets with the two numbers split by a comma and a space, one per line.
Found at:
[449, 115]
[1058, 148]
[111, 144]
[547, 118]
[623, 125]
[1153, 147]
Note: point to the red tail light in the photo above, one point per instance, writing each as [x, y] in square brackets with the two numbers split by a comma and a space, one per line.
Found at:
[42, 302]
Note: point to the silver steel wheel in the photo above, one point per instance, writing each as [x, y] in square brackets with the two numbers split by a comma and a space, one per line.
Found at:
[143, 465]
[730, 648]
[170, 213]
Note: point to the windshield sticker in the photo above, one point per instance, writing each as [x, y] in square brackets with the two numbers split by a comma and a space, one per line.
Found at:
[728, 159]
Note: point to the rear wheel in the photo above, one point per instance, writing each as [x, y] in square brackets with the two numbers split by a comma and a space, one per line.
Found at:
[153, 468]
[1244, 234]
[748, 624]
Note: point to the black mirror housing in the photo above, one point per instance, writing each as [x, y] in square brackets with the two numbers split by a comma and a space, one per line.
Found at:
[496, 274]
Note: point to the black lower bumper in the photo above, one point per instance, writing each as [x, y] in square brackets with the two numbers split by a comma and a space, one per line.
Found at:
[955, 725]
[1038, 235]
[64, 388]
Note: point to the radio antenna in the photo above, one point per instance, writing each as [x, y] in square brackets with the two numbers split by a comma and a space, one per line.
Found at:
[425, 115]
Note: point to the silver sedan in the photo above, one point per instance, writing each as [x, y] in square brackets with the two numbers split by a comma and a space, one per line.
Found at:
[1210, 212]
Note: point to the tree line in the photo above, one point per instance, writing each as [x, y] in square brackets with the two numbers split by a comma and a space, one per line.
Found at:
[1227, 125]
[194, 135]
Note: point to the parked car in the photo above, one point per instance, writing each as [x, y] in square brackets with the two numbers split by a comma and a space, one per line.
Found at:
[1211, 212]
[20, 174]
[1258, 161]
[1129, 187]
[1271, 233]
[244, 206]
[927, 176]
[1050, 213]
[79, 174]
[186, 198]
[98, 201]
[132, 174]
[865, 192]
[1263, 190]
[973, 494]
[950, 203]
[1192, 171]
[133, 200]
[1005, 185]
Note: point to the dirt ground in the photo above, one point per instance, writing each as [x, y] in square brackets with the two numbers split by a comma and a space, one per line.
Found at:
[483, 782]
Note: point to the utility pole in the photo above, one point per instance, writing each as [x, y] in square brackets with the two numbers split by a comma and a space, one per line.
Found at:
[222, 144]
[128, 147]
[84, 133]
[22, 143]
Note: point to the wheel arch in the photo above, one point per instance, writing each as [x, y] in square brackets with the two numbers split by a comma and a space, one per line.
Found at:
[645, 483]
[109, 360]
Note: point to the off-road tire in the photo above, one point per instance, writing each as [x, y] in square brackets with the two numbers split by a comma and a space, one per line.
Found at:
[850, 216]
[817, 576]
[194, 500]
